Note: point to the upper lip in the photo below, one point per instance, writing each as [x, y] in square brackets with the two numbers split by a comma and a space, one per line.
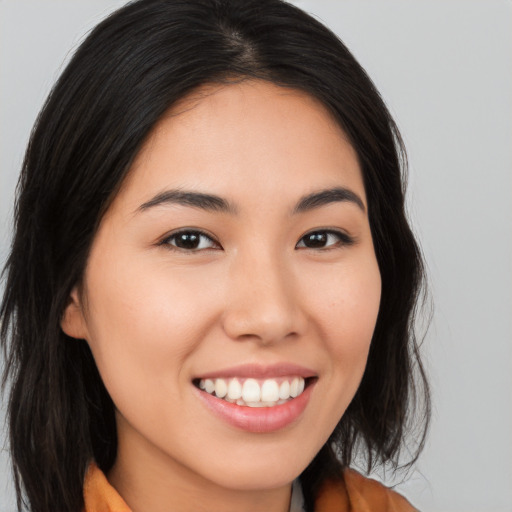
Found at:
[258, 371]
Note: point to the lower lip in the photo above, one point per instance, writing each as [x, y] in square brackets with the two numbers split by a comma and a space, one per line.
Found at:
[258, 419]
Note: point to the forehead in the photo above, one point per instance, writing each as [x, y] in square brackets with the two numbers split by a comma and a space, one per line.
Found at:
[249, 136]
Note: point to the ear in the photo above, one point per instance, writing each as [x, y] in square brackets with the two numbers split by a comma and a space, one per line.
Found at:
[73, 321]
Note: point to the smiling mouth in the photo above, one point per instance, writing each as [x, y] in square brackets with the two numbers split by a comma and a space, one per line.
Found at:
[250, 392]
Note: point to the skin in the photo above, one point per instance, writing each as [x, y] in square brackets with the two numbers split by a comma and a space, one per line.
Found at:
[156, 316]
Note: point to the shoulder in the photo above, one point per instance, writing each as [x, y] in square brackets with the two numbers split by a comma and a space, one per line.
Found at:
[357, 493]
[370, 493]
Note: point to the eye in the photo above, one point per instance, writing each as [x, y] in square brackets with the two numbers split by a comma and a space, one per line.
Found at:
[324, 239]
[190, 240]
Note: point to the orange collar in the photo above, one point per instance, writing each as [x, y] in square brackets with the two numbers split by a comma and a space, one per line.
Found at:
[99, 495]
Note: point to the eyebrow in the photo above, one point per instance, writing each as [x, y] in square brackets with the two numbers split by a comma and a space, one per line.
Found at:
[200, 200]
[325, 197]
[210, 202]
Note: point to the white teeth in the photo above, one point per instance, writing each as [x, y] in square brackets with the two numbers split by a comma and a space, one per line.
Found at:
[253, 393]
[260, 404]
[284, 390]
[294, 387]
[270, 391]
[302, 385]
[221, 388]
[234, 390]
[209, 386]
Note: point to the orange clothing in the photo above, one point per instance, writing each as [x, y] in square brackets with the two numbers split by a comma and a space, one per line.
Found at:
[355, 493]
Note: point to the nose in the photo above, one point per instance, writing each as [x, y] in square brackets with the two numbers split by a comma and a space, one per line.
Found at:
[263, 302]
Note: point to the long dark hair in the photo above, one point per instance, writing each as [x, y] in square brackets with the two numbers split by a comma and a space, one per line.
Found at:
[122, 79]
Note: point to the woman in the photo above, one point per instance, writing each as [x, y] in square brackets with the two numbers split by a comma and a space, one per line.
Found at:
[211, 288]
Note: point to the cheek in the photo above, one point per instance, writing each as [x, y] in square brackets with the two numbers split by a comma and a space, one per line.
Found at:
[350, 304]
[143, 322]
[348, 309]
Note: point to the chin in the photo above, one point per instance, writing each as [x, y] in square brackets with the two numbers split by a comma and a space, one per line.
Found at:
[263, 473]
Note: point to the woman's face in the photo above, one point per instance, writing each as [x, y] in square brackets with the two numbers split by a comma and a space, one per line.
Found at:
[237, 257]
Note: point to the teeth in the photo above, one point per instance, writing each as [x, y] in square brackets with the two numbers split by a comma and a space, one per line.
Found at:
[252, 393]
[284, 390]
[260, 404]
[270, 391]
[221, 388]
[209, 386]
[234, 389]
[294, 388]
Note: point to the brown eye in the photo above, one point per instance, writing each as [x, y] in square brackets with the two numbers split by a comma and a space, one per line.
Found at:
[324, 239]
[191, 241]
[315, 240]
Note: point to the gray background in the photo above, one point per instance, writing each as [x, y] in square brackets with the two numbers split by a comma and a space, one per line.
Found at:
[445, 70]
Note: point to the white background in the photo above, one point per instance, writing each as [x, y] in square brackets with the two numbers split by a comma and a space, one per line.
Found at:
[445, 70]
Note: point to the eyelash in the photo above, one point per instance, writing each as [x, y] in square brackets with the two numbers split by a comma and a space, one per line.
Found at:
[194, 232]
[343, 240]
